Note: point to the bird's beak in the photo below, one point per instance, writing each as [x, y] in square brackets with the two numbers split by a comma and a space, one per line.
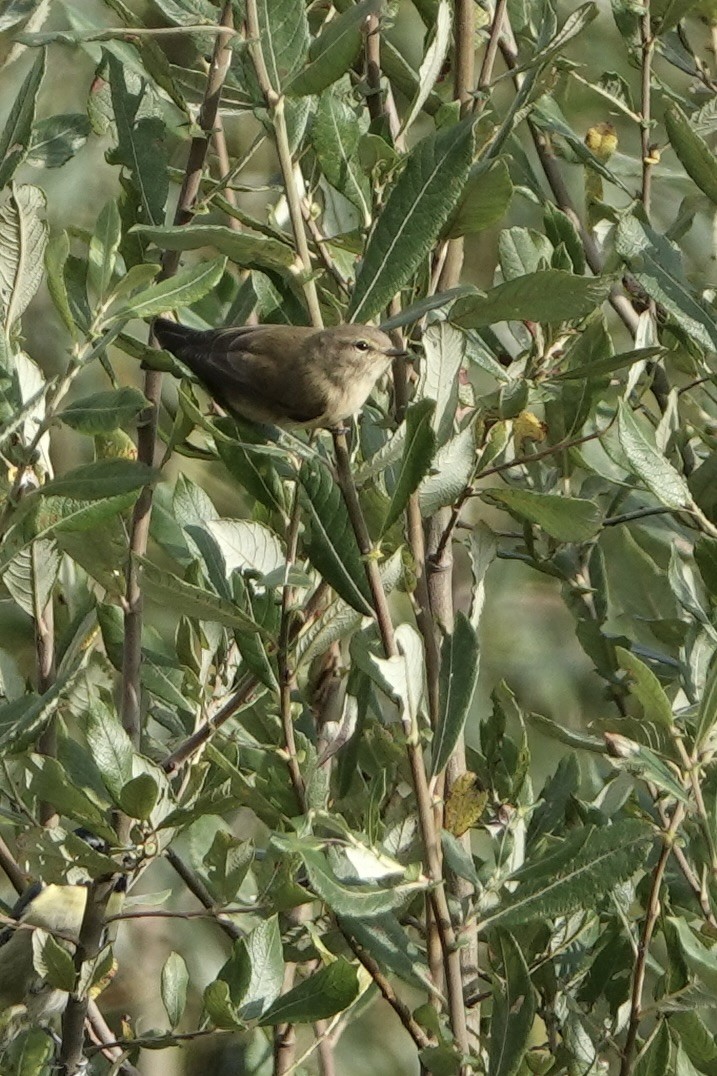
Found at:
[397, 353]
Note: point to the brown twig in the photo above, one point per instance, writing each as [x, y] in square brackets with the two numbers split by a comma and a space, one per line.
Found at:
[651, 915]
[286, 677]
[147, 430]
[197, 888]
[647, 46]
[491, 51]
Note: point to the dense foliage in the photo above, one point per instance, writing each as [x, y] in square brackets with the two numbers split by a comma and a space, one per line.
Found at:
[247, 659]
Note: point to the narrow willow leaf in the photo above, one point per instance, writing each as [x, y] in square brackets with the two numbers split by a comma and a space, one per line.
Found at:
[579, 874]
[50, 782]
[185, 599]
[513, 1008]
[23, 237]
[548, 295]
[103, 250]
[55, 140]
[56, 253]
[15, 138]
[569, 519]
[332, 53]
[174, 981]
[335, 135]
[657, 265]
[482, 550]
[485, 200]
[579, 741]
[418, 310]
[331, 544]
[420, 444]
[183, 289]
[433, 61]
[695, 155]
[140, 147]
[103, 412]
[444, 348]
[642, 762]
[244, 250]
[648, 463]
[457, 682]
[400, 677]
[327, 992]
[707, 712]
[53, 961]
[701, 960]
[100, 480]
[416, 209]
[647, 689]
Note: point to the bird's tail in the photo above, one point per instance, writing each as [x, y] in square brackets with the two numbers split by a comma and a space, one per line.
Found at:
[179, 339]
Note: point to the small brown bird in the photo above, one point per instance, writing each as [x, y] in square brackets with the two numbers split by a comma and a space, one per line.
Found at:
[283, 374]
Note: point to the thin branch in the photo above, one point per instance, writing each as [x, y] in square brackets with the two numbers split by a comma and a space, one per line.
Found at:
[651, 915]
[404, 1014]
[647, 43]
[100, 1033]
[147, 429]
[486, 71]
[15, 875]
[286, 678]
[197, 888]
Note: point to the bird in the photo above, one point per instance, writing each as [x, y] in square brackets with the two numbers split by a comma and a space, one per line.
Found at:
[283, 375]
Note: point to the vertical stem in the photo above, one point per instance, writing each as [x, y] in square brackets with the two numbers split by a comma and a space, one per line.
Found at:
[147, 431]
[648, 47]
[46, 671]
[648, 927]
[285, 672]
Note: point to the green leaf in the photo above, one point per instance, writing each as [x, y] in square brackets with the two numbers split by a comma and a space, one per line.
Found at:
[50, 782]
[657, 265]
[110, 746]
[265, 955]
[138, 797]
[695, 155]
[173, 987]
[103, 250]
[648, 463]
[248, 547]
[332, 53]
[513, 1009]
[56, 253]
[100, 480]
[451, 470]
[647, 689]
[655, 1060]
[707, 711]
[457, 682]
[355, 900]
[245, 250]
[548, 295]
[14, 11]
[184, 599]
[15, 138]
[329, 991]
[284, 38]
[140, 146]
[644, 764]
[579, 874]
[182, 289]
[701, 961]
[56, 139]
[331, 544]
[420, 444]
[416, 209]
[568, 519]
[433, 61]
[219, 1007]
[444, 349]
[103, 412]
[53, 961]
[23, 237]
[391, 947]
[485, 200]
[335, 135]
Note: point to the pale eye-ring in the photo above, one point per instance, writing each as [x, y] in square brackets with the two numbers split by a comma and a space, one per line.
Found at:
[362, 345]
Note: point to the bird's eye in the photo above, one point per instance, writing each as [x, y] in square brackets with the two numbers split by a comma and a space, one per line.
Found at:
[362, 345]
